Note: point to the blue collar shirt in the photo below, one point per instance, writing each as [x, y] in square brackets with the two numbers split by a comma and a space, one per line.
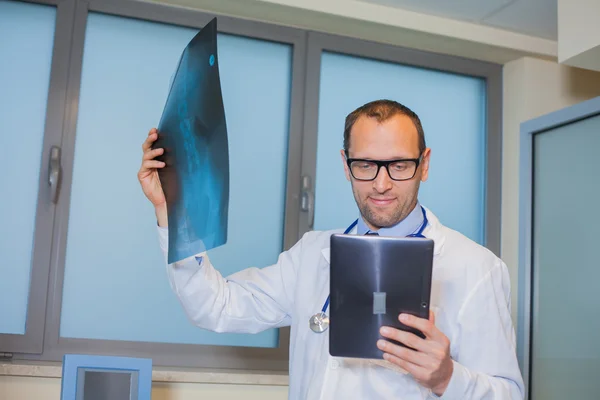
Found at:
[407, 226]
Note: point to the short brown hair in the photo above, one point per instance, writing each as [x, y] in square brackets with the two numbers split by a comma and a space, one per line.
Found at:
[382, 110]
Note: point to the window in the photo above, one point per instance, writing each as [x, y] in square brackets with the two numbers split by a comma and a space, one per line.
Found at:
[26, 53]
[85, 272]
[452, 109]
[115, 287]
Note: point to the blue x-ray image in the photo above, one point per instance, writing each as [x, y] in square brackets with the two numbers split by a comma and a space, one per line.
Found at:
[193, 132]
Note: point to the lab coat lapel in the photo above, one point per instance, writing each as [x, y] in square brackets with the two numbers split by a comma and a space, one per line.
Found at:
[434, 231]
[326, 253]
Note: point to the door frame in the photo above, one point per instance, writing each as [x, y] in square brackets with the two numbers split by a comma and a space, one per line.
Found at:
[528, 282]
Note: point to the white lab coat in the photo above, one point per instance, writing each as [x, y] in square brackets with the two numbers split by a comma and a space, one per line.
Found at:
[470, 298]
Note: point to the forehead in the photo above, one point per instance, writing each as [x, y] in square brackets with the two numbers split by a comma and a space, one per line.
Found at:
[396, 137]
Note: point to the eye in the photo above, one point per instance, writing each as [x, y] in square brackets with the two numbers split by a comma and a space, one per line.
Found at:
[400, 166]
[364, 165]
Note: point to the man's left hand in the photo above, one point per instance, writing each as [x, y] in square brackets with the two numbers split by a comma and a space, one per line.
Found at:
[429, 363]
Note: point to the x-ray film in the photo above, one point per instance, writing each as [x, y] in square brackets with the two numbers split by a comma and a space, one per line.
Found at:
[193, 132]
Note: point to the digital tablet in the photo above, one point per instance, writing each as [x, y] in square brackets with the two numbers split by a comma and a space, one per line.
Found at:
[373, 279]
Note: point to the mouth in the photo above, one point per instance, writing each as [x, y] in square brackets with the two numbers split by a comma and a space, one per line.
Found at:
[381, 202]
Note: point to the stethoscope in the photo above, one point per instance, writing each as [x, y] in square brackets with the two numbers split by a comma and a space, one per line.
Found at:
[320, 321]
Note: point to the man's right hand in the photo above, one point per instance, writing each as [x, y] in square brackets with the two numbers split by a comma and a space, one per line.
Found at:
[149, 180]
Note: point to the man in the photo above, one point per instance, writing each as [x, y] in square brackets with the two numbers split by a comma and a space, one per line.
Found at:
[469, 346]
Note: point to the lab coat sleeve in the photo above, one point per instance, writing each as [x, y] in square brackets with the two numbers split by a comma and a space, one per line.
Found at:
[248, 301]
[486, 366]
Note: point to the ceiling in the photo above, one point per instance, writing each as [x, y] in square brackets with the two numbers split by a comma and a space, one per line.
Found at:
[531, 17]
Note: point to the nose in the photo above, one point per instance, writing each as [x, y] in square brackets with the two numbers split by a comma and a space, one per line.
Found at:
[382, 182]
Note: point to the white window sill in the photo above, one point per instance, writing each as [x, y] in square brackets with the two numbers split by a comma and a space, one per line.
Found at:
[159, 374]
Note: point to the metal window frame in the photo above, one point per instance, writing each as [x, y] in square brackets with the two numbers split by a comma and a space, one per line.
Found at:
[165, 354]
[32, 340]
[302, 141]
[528, 304]
[492, 73]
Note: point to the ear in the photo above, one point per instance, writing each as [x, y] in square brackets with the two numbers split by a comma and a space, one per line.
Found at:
[425, 164]
[346, 170]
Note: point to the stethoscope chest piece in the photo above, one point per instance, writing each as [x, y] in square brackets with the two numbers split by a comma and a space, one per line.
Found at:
[319, 322]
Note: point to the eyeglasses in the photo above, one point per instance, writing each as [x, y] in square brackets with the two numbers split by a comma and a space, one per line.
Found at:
[398, 170]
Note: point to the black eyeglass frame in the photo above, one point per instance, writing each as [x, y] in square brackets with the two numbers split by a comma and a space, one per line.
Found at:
[385, 164]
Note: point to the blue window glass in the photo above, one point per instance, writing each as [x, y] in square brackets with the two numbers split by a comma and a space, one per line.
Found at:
[27, 39]
[452, 111]
[115, 284]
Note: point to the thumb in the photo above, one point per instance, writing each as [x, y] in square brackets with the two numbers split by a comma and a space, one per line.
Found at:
[432, 317]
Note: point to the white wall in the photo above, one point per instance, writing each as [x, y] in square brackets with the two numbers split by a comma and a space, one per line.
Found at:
[379, 23]
[579, 33]
[532, 88]
[25, 388]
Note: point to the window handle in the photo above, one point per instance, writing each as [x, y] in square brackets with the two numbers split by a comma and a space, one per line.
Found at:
[308, 200]
[54, 173]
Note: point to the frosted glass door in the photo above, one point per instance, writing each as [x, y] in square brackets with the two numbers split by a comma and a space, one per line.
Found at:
[565, 358]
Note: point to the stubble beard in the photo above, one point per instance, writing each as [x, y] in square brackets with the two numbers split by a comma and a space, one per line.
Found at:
[385, 219]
